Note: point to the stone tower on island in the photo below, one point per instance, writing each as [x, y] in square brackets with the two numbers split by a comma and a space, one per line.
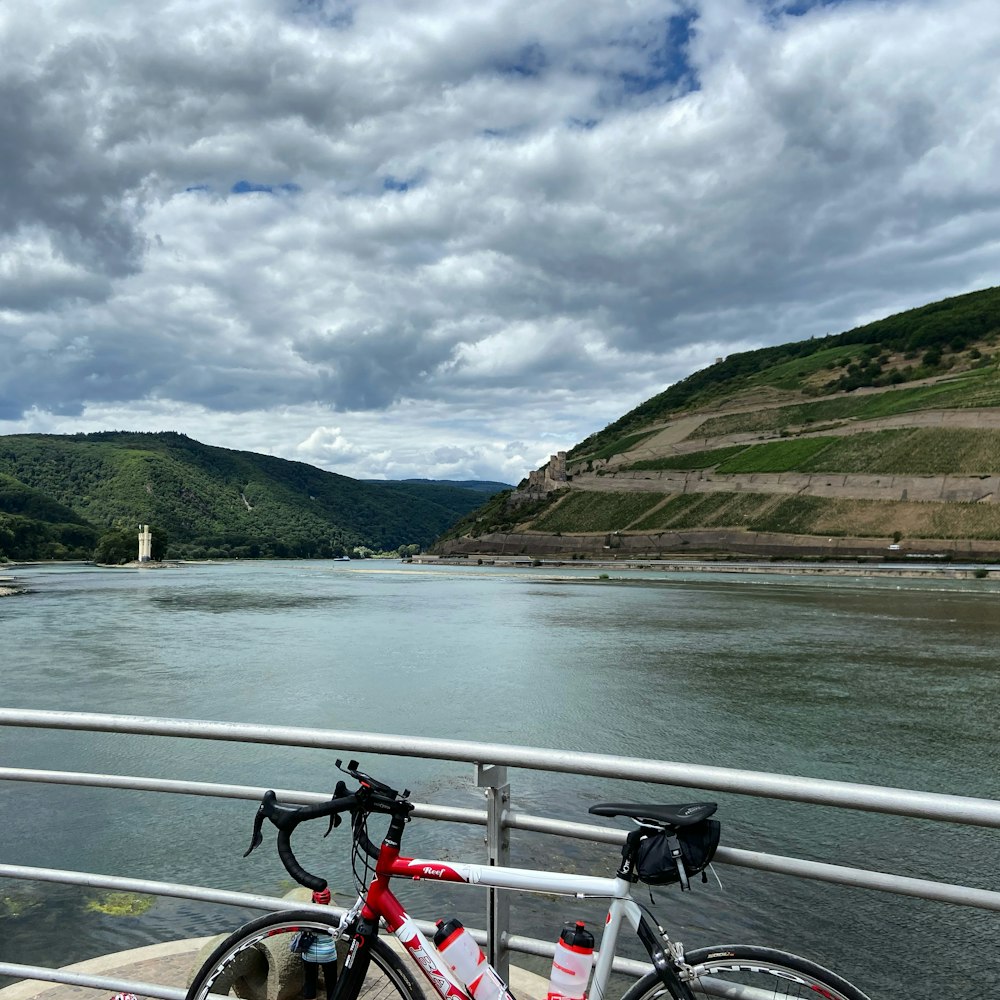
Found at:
[145, 543]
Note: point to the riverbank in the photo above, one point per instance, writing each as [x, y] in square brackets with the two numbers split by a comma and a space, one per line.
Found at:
[9, 585]
[925, 569]
[707, 547]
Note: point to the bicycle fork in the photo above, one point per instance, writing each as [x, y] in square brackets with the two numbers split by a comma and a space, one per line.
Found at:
[667, 957]
[356, 962]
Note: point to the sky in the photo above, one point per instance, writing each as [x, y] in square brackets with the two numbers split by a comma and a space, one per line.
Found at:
[418, 238]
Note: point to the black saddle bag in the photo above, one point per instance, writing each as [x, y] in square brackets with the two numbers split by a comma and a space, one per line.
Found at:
[670, 856]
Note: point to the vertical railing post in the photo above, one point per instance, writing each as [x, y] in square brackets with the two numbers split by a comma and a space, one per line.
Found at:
[492, 778]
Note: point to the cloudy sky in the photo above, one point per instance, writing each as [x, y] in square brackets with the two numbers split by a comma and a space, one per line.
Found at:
[399, 238]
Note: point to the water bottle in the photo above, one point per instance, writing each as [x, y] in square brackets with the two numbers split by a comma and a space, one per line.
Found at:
[571, 964]
[466, 959]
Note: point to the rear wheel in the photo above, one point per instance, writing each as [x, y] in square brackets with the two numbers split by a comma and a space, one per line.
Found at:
[743, 972]
[257, 963]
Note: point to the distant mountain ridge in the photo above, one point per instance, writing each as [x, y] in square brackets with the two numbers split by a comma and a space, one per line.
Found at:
[479, 485]
[59, 493]
[888, 434]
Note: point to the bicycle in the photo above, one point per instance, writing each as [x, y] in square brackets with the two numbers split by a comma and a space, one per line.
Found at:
[670, 843]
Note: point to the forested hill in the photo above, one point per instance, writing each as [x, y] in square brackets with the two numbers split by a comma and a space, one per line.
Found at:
[887, 434]
[59, 494]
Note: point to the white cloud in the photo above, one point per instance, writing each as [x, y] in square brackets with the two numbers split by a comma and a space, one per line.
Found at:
[426, 240]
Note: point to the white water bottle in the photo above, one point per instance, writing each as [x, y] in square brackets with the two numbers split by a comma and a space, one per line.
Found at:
[571, 964]
[466, 959]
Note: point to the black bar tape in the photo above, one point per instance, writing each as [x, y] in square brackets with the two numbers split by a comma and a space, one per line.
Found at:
[293, 868]
[329, 808]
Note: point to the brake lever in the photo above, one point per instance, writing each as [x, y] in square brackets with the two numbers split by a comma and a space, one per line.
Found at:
[338, 792]
[258, 822]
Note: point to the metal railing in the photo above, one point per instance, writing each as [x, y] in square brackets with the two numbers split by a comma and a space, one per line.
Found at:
[491, 761]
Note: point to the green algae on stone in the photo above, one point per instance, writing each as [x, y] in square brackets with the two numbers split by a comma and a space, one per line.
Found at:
[13, 906]
[120, 904]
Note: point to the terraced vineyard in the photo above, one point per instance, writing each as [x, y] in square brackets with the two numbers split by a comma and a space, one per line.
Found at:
[589, 512]
[804, 515]
[914, 450]
[978, 389]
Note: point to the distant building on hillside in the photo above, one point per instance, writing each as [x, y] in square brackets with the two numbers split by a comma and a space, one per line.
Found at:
[549, 477]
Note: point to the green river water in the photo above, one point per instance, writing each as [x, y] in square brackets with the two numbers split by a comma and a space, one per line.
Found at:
[890, 682]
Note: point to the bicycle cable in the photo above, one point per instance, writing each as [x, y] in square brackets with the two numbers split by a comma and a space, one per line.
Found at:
[360, 857]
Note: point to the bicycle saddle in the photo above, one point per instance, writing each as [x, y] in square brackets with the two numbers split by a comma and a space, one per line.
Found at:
[684, 814]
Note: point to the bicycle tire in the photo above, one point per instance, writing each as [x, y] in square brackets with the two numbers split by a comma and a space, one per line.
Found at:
[241, 966]
[745, 972]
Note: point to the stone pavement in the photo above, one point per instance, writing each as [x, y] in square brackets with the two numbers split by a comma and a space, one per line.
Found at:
[168, 964]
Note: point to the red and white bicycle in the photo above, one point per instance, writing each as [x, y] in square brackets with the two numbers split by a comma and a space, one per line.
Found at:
[669, 843]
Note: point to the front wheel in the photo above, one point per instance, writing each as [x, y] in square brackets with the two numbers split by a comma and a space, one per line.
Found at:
[256, 962]
[743, 972]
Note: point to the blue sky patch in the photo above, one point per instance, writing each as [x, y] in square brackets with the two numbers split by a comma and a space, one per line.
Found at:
[529, 61]
[666, 62]
[250, 187]
[390, 183]
[508, 132]
[796, 8]
[330, 13]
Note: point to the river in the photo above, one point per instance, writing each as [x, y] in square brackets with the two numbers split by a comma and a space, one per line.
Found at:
[891, 682]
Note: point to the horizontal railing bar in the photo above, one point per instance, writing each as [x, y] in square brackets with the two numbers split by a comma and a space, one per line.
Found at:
[520, 943]
[544, 949]
[141, 989]
[523, 945]
[252, 793]
[161, 992]
[818, 791]
[515, 820]
[861, 878]
[820, 871]
[628, 967]
[201, 893]
[928, 805]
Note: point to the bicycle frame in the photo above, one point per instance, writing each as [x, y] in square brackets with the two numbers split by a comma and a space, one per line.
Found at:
[672, 968]
[380, 902]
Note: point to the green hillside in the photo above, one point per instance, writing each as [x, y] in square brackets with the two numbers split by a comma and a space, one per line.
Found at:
[885, 434]
[58, 493]
[31, 522]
